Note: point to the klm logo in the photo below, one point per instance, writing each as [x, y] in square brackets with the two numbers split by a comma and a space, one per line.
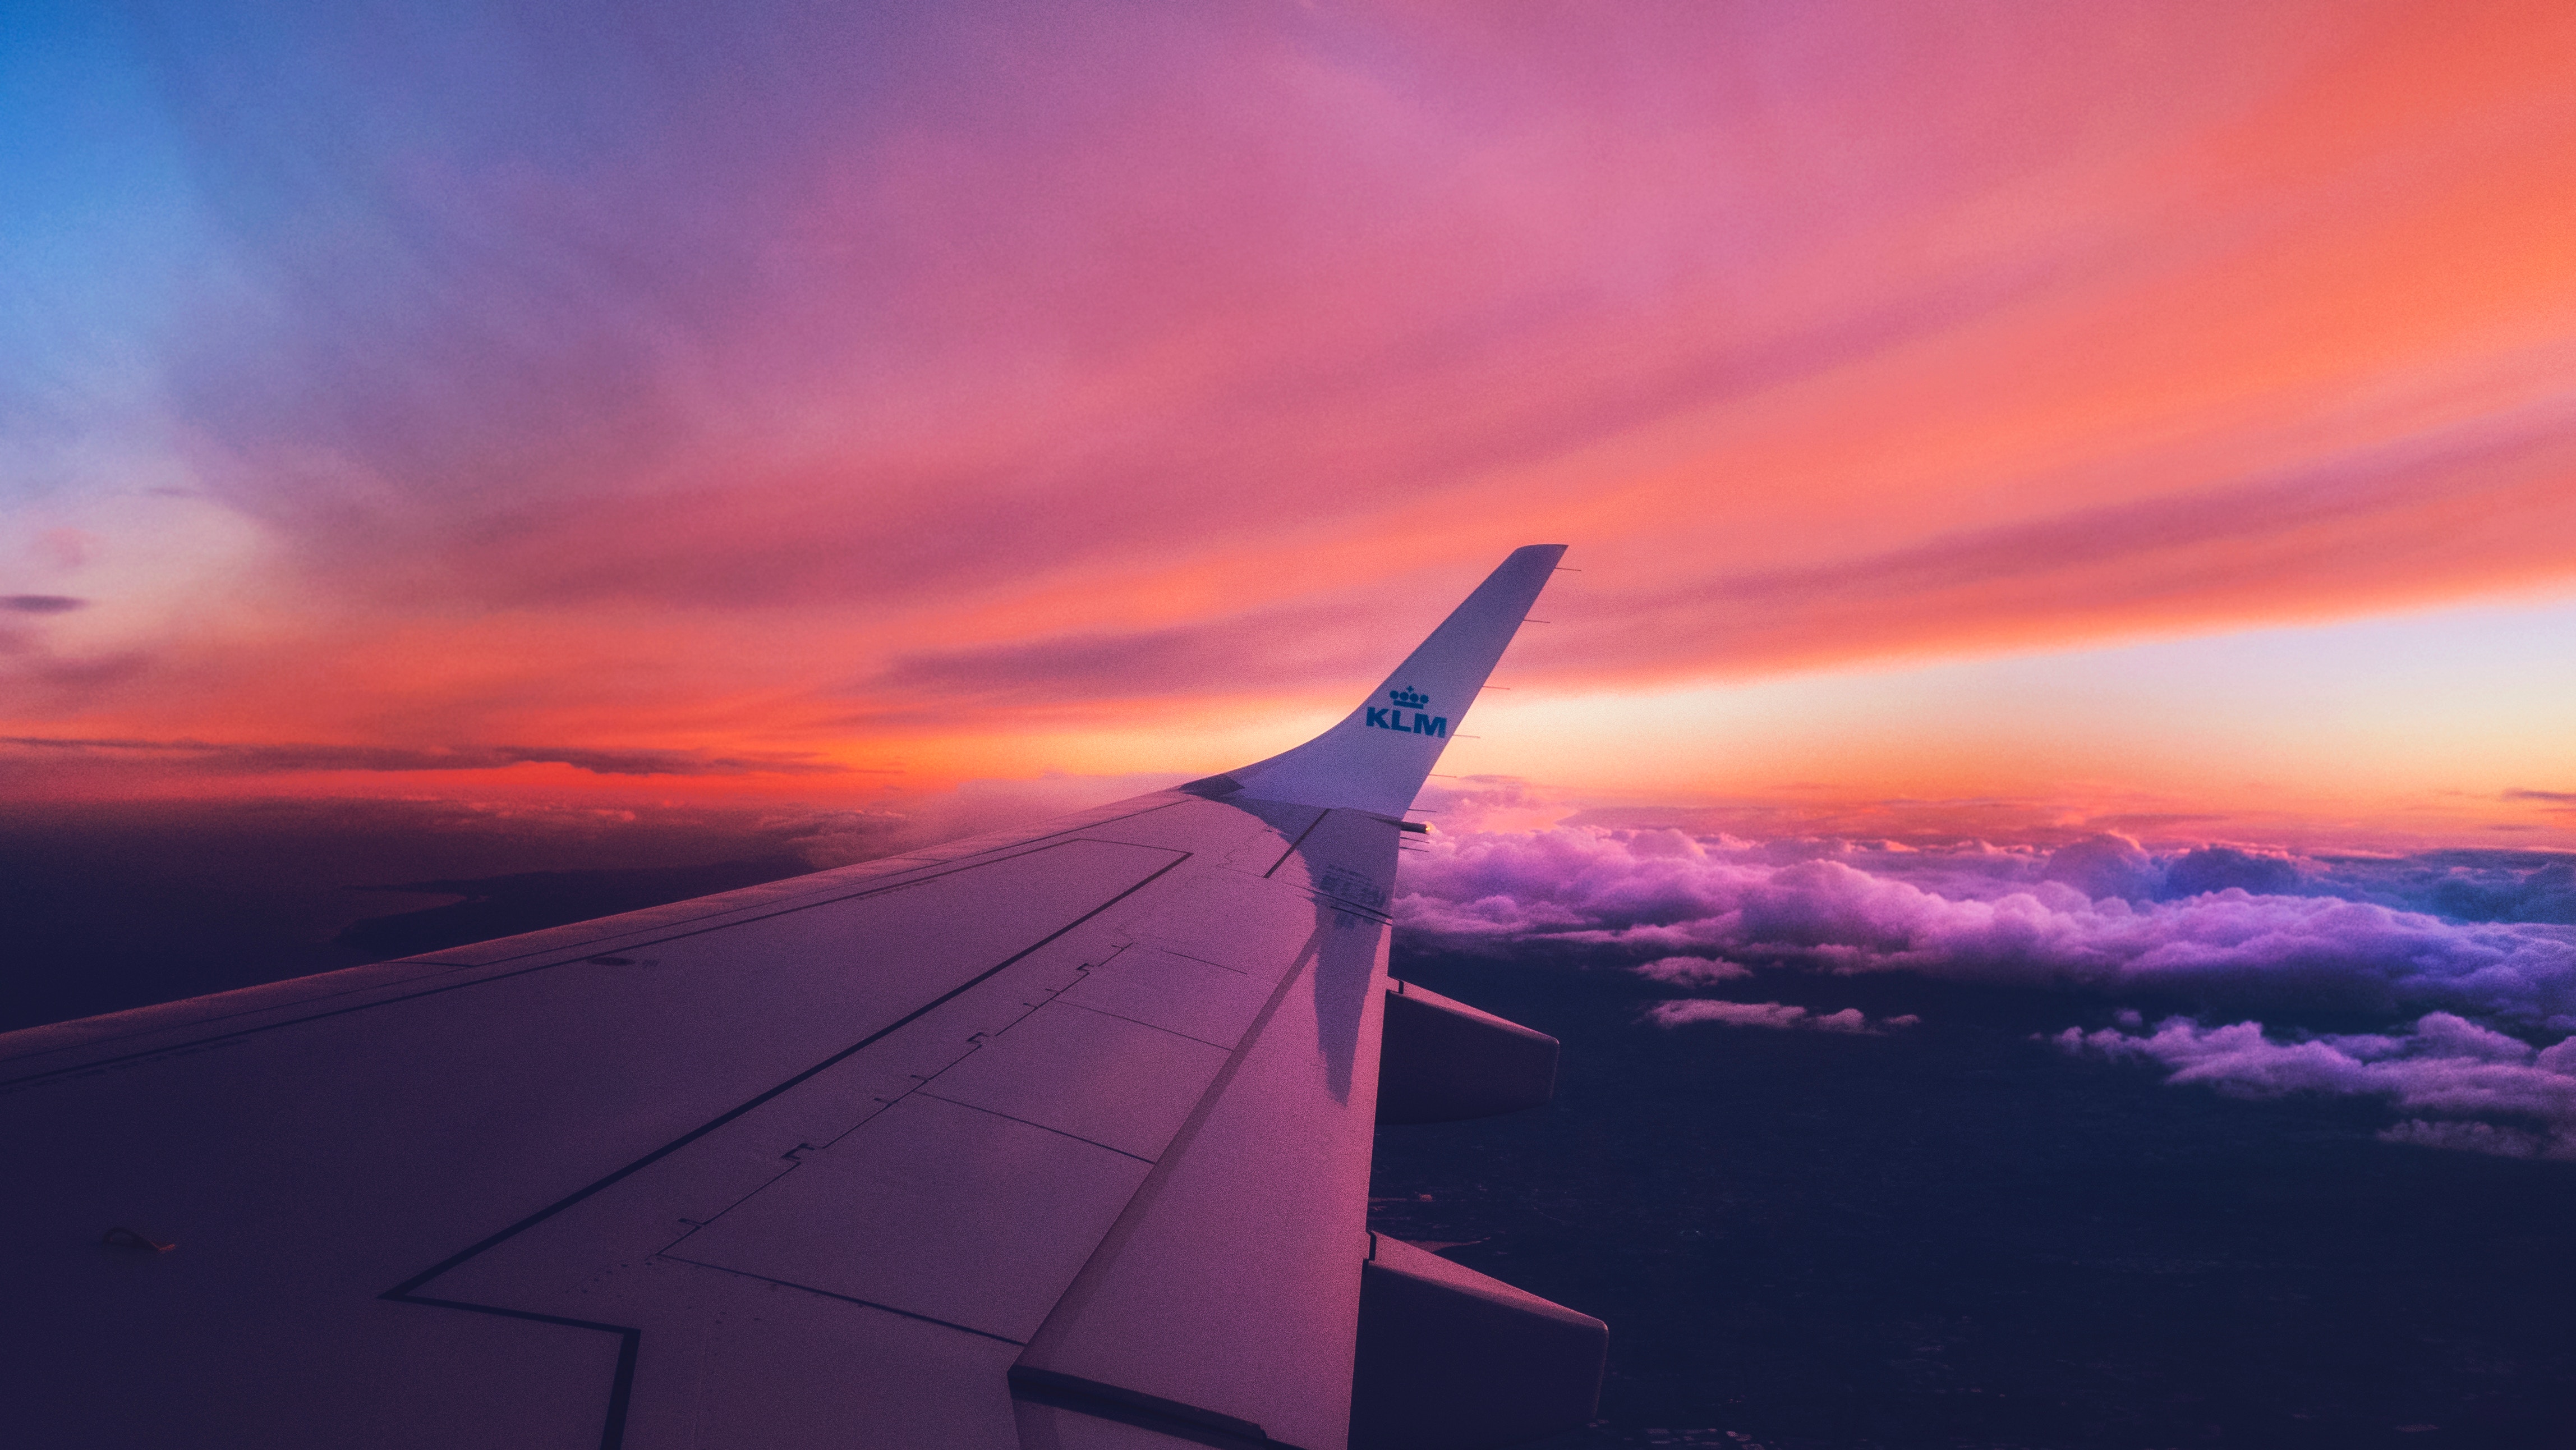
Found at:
[1381, 717]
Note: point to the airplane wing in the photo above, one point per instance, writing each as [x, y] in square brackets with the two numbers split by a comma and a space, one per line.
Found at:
[1052, 1139]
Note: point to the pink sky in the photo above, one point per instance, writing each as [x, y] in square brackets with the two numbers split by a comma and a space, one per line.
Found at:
[2154, 411]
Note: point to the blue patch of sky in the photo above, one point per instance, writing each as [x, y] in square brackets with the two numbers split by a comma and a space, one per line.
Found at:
[103, 238]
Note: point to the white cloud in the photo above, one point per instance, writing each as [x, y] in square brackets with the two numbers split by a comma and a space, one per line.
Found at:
[1980, 913]
[1683, 1012]
[1693, 971]
[2470, 1087]
[2263, 930]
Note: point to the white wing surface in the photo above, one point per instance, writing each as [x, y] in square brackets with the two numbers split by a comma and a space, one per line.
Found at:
[1052, 1138]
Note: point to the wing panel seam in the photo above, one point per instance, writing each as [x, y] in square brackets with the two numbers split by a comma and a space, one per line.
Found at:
[925, 1092]
[1155, 1026]
[1301, 840]
[613, 1432]
[810, 1289]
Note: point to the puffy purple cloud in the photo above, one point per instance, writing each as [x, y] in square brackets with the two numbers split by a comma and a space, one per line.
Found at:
[1693, 971]
[1733, 1014]
[2107, 866]
[2216, 868]
[1770, 1014]
[2543, 893]
[2411, 939]
[2009, 915]
[2468, 1087]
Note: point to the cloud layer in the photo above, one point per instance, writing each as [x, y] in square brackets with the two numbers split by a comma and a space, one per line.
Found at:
[2425, 944]
[2028, 915]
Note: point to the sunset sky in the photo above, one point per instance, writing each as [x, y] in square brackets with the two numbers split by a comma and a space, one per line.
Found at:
[1996, 417]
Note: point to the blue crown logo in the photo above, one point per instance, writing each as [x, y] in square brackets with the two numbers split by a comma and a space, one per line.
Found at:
[1409, 698]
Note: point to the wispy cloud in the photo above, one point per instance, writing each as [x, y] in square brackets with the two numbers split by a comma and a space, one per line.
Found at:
[2468, 1087]
[2486, 940]
[1275, 649]
[1693, 971]
[2087, 569]
[264, 759]
[1684, 1011]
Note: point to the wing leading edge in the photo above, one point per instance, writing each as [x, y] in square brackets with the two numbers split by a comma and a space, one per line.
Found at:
[1053, 1139]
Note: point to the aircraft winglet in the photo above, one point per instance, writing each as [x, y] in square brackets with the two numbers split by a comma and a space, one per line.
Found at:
[1378, 756]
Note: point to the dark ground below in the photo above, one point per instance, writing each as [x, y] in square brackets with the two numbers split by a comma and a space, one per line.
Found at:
[1957, 1236]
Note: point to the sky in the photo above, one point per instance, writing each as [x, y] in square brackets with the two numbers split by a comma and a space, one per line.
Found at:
[2134, 413]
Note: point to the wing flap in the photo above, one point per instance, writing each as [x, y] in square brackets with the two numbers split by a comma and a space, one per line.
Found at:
[1227, 1295]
